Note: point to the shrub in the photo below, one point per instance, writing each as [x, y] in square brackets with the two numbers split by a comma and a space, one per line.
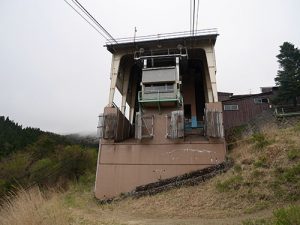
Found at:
[293, 154]
[260, 140]
[14, 166]
[261, 162]
[297, 127]
[283, 216]
[292, 174]
[40, 169]
[234, 134]
[13, 171]
[237, 168]
[287, 216]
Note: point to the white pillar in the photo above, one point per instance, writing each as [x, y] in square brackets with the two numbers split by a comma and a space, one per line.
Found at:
[113, 77]
[211, 64]
[125, 89]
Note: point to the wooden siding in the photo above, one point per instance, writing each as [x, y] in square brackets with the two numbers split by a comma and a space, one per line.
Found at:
[247, 110]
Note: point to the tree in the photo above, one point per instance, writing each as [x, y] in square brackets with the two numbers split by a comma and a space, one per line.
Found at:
[288, 75]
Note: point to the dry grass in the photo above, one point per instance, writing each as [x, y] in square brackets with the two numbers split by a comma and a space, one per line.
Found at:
[244, 191]
[32, 207]
[248, 189]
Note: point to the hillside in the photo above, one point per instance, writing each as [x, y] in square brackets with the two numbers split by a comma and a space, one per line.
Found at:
[263, 187]
[29, 157]
[14, 137]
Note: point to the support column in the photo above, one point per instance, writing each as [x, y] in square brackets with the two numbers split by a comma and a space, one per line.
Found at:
[113, 77]
[211, 64]
[125, 89]
[132, 106]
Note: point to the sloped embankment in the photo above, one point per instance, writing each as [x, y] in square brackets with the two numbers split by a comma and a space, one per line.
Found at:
[266, 175]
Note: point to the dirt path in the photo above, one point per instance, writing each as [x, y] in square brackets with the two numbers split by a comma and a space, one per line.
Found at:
[97, 215]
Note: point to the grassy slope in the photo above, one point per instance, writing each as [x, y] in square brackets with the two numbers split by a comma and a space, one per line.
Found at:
[266, 176]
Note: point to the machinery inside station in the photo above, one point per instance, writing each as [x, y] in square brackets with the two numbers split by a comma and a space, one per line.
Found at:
[166, 86]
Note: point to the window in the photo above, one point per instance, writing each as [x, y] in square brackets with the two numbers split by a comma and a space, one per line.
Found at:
[231, 107]
[261, 100]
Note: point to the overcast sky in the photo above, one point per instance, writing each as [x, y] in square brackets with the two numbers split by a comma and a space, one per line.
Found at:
[54, 70]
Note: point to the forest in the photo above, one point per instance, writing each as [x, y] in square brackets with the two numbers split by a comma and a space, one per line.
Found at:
[30, 156]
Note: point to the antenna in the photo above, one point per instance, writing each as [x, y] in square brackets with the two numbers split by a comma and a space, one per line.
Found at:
[134, 36]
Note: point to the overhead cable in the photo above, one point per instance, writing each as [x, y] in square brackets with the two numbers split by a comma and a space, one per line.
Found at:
[194, 15]
[94, 20]
[197, 15]
[191, 10]
[100, 29]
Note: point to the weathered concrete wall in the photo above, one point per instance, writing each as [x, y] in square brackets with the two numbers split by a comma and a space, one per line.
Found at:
[122, 167]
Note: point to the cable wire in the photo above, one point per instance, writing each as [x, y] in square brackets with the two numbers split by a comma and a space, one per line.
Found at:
[191, 16]
[87, 20]
[194, 17]
[82, 8]
[197, 15]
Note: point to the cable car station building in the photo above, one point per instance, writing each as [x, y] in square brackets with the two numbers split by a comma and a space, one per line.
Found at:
[174, 122]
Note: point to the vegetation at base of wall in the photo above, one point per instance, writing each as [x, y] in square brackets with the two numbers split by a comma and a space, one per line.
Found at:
[234, 134]
[45, 160]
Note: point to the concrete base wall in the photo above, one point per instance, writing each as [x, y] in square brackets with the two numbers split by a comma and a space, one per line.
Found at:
[123, 166]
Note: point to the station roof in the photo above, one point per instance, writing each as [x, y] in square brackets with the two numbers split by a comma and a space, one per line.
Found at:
[185, 37]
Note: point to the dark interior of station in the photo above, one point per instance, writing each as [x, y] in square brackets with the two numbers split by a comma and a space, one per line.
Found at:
[192, 87]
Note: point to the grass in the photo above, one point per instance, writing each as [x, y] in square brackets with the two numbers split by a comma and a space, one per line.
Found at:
[232, 183]
[246, 188]
[282, 216]
[266, 176]
[33, 208]
[261, 162]
[51, 207]
[258, 206]
[286, 184]
[260, 140]
[294, 153]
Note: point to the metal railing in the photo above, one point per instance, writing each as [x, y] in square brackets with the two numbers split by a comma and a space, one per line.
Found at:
[160, 97]
[285, 111]
[163, 36]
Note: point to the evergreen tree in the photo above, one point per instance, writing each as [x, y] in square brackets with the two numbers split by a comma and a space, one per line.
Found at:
[288, 76]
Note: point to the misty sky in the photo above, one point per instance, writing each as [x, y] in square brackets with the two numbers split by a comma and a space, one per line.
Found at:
[54, 70]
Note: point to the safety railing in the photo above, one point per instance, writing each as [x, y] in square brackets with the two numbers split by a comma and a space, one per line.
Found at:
[157, 96]
[163, 36]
